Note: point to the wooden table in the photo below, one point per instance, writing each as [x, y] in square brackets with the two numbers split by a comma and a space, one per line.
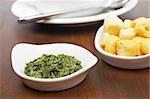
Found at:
[103, 81]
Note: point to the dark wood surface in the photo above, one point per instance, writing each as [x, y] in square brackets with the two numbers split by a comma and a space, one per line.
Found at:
[103, 81]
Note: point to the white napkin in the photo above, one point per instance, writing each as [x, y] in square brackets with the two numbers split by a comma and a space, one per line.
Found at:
[50, 6]
[53, 6]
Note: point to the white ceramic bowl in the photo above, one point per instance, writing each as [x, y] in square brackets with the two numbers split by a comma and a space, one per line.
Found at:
[23, 53]
[124, 62]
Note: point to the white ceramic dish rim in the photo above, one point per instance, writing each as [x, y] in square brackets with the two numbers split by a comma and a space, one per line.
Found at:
[94, 18]
[97, 46]
[86, 68]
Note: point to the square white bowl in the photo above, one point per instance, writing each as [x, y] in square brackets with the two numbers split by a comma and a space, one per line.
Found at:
[124, 62]
[23, 53]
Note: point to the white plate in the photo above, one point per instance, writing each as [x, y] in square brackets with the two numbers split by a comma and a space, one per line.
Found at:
[23, 8]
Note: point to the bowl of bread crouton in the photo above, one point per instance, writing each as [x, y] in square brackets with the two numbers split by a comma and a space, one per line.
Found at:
[124, 44]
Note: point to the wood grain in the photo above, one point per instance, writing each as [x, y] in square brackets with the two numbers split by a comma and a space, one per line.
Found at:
[103, 81]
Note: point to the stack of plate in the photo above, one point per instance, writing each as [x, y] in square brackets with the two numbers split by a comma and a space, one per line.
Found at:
[24, 8]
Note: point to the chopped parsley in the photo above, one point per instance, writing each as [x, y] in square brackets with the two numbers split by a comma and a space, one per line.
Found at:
[52, 66]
